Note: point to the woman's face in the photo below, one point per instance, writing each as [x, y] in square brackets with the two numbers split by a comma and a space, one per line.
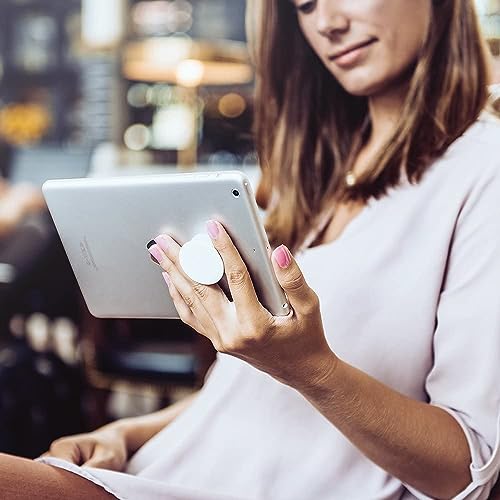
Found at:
[367, 45]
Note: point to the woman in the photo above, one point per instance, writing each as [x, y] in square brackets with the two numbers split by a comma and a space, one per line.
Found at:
[381, 173]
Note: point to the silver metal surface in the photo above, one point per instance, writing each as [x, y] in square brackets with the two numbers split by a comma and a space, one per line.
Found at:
[105, 224]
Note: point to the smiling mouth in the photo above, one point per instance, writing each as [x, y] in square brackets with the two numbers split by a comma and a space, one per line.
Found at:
[351, 49]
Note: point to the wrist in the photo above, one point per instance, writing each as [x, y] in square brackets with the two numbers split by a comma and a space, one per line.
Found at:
[123, 429]
[319, 375]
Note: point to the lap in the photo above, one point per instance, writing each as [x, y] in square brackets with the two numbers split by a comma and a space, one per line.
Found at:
[23, 479]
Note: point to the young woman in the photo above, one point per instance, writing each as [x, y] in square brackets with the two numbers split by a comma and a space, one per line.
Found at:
[381, 173]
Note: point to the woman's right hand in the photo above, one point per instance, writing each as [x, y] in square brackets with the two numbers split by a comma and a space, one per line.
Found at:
[105, 448]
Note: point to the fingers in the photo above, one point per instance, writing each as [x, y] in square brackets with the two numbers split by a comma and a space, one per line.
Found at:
[189, 296]
[238, 277]
[301, 297]
[70, 451]
[103, 459]
[185, 313]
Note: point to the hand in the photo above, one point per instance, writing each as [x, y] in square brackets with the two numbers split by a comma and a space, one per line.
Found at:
[16, 203]
[105, 448]
[292, 349]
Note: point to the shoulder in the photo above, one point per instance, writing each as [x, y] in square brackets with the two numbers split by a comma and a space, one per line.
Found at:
[485, 132]
[475, 155]
[476, 160]
[481, 139]
[467, 176]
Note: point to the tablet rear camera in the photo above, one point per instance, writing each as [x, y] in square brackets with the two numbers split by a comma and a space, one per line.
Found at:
[236, 193]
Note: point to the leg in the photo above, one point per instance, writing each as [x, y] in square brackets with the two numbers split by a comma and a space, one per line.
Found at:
[23, 479]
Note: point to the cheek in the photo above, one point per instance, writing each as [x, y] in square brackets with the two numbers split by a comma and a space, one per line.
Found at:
[391, 57]
[311, 35]
[404, 31]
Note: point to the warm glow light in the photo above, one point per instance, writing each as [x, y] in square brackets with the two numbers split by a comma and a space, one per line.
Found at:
[189, 73]
[232, 105]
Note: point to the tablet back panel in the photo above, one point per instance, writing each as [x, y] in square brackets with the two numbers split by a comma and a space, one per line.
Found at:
[105, 224]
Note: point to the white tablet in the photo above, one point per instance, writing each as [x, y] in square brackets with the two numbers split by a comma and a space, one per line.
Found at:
[106, 224]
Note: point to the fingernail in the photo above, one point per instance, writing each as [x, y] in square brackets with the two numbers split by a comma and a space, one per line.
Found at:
[283, 256]
[162, 242]
[166, 277]
[213, 229]
[156, 253]
[149, 245]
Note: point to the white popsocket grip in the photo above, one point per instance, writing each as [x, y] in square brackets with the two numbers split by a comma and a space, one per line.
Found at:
[201, 261]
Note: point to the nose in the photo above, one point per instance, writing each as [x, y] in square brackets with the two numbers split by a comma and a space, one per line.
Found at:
[330, 19]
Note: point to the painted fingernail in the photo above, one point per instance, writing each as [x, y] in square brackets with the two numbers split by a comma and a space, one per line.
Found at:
[149, 245]
[166, 277]
[154, 260]
[156, 253]
[162, 242]
[283, 257]
[213, 229]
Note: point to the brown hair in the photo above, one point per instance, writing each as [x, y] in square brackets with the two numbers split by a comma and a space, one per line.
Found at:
[307, 125]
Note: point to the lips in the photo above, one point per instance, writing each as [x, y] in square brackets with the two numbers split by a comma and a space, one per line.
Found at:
[351, 48]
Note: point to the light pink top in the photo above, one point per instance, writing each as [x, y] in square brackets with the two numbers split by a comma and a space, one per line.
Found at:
[410, 293]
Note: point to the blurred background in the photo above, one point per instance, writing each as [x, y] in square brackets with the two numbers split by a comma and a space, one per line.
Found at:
[101, 88]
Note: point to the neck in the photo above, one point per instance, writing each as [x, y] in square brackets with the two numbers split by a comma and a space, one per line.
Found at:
[385, 111]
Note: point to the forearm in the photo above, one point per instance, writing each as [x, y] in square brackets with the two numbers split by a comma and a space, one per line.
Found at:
[418, 443]
[139, 430]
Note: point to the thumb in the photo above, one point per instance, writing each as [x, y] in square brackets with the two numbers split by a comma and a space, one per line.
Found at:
[69, 452]
[291, 279]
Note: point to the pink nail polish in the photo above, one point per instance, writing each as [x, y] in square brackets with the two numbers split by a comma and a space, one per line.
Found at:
[156, 253]
[283, 257]
[162, 242]
[213, 229]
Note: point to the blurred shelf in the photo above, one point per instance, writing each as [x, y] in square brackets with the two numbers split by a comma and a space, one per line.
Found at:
[168, 59]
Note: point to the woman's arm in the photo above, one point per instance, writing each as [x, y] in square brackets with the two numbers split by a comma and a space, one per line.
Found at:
[138, 430]
[438, 452]
[421, 445]
[111, 446]
[418, 443]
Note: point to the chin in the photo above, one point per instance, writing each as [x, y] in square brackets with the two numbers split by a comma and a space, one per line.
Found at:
[362, 82]
[360, 89]
[365, 87]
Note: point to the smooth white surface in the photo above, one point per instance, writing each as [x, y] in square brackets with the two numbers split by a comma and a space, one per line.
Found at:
[201, 261]
[410, 295]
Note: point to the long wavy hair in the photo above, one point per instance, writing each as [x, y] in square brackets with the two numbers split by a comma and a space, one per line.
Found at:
[307, 125]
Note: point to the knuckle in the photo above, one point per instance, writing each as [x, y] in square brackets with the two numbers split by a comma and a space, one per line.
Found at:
[295, 282]
[58, 443]
[312, 304]
[201, 291]
[248, 337]
[190, 301]
[168, 265]
[237, 277]
[244, 343]
[221, 246]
